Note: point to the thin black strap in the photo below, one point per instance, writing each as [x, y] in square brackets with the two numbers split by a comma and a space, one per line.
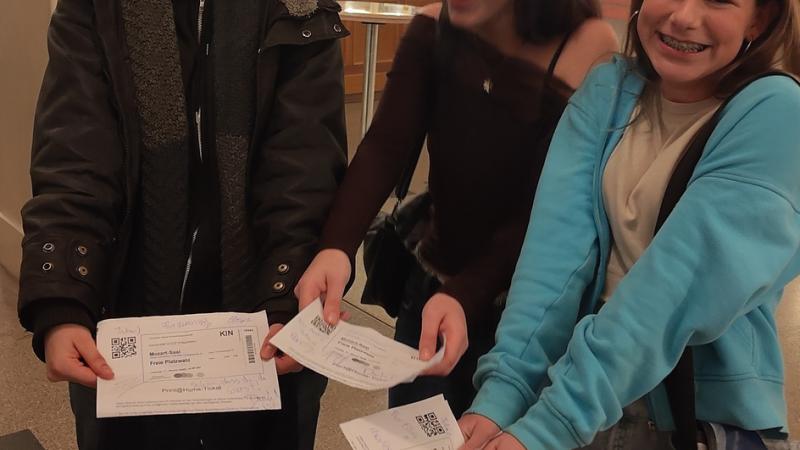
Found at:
[554, 61]
[401, 190]
[680, 383]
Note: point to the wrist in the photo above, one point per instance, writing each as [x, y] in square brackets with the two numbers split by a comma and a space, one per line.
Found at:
[48, 314]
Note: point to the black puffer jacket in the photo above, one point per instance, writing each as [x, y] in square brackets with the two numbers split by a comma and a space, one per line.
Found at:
[87, 146]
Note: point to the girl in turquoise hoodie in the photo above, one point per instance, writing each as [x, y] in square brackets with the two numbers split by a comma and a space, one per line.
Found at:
[710, 278]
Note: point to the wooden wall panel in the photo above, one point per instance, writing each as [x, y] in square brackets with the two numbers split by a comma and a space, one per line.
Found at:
[353, 50]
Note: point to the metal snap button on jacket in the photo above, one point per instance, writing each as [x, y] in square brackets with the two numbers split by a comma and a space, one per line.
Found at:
[283, 268]
[47, 267]
[278, 286]
[48, 247]
[83, 271]
[82, 250]
[337, 28]
[306, 33]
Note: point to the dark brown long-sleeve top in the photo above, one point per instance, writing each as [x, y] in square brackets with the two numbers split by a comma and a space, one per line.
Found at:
[486, 153]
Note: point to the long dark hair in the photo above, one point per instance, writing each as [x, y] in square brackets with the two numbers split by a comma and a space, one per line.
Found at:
[541, 20]
[536, 21]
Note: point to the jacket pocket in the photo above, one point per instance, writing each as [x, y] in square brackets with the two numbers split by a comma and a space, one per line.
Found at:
[729, 357]
[322, 24]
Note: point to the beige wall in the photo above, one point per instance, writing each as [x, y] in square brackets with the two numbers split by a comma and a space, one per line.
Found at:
[23, 28]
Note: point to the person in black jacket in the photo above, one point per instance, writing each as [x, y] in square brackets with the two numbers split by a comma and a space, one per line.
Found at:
[185, 155]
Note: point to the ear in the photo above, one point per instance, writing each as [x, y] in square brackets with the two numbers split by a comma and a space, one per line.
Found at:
[764, 16]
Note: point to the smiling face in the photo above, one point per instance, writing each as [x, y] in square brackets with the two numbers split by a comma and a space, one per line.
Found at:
[477, 14]
[690, 42]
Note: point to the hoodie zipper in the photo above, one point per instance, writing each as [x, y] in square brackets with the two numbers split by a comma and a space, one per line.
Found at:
[198, 122]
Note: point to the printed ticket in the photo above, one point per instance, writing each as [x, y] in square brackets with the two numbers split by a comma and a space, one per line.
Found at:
[185, 364]
[425, 425]
[357, 356]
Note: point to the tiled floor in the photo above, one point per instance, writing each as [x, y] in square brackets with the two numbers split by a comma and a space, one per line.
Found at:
[27, 399]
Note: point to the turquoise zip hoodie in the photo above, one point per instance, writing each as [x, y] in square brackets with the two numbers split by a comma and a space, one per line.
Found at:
[711, 278]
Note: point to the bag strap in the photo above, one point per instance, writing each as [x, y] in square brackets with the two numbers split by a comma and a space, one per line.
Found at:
[680, 383]
[401, 190]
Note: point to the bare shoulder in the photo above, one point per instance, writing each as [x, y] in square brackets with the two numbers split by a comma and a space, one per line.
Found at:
[592, 43]
[431, 10]
[595, 35]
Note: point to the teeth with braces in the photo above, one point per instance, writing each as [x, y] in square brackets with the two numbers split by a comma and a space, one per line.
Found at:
[682, 46]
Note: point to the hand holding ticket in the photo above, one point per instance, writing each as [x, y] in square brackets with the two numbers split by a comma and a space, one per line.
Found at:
[357, 356]
[425, 425]
[194, 363]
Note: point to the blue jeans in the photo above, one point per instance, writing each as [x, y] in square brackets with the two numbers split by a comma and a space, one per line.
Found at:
[634, 432]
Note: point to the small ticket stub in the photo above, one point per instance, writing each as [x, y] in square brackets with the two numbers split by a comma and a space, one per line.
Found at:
[185, 364]
[425, 425]
[359, 357]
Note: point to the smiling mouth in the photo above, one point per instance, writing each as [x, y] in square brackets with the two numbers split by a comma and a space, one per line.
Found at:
[682, 46]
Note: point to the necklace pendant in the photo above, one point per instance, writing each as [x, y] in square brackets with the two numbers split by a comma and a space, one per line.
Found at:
[488, 85]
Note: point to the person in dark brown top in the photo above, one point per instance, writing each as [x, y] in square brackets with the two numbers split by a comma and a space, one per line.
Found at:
[486, 84]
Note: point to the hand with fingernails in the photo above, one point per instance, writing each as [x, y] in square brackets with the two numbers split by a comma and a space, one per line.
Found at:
[71, 355]
[503, 441]
[326, 278]
[283, 363]
[478, 431]
[443, 316]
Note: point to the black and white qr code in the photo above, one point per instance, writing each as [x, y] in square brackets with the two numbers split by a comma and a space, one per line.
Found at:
[123, 347]
[430, 425]
[322, 326]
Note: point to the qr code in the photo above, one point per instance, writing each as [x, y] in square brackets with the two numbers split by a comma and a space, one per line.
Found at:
[123, 347]
[429, 423]
[322, 326]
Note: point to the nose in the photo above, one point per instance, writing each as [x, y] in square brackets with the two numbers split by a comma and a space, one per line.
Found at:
[688, 14]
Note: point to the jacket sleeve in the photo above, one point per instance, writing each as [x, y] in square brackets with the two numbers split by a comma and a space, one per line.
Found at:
[726, 251]
[298, 169]
[77, 181]
[560, 247]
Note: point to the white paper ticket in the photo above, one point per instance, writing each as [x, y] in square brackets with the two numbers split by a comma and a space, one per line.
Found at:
[357, 356]
[194, 363]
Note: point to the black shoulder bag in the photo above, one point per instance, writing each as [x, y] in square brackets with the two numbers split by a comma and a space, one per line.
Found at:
[680, 383]
[388, 259]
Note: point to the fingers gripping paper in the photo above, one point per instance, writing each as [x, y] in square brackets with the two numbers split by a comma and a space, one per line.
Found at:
[185, 364]
[357, 356]
[425, 425]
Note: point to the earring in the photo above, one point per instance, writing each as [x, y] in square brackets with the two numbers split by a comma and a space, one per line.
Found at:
[747, 46]
[633, 16]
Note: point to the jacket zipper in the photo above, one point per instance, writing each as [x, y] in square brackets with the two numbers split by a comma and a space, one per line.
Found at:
[187, 270]
[198, 115]
[198, 122]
